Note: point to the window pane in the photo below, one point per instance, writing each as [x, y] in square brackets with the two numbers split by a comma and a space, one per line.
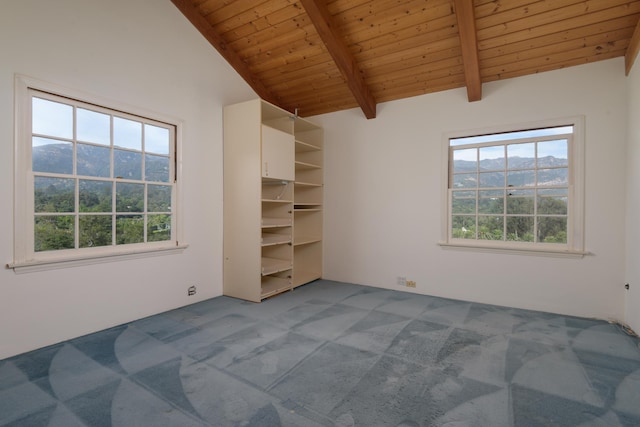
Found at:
[53, 233]
[521, 178]
[463, 227]
[129, 197]
[52, 118]
[465, 160]
[552, 202]
[127, 164]
[492, 179]
[520, 202]
[558, 176]
[464, 202]
[51, 155]
[520, 182]
[129, 229]
[156, 139]
[93, 127]
[53, 194]
[95, 196]
[159, 228]
[520, 228]
[492, 158]
[156, 168]
[552, 229]
[94, 161]
[553, 153]
[465, 180]
[491, 202]
[127, 133]
[158, 198]
[506, 136]
[490, 227]
[95, 230]
[521, 156]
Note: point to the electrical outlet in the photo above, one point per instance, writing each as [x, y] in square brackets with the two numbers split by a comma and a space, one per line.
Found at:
[191, 291]
[402, 281]
[411, 284]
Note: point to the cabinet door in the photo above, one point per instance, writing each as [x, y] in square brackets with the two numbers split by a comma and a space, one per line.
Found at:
[278, 154]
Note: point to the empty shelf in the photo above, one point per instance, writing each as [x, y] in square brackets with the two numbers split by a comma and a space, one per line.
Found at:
[305, 165]
[269, 239]
[304, 240]
[274, 265]
[274, 285]
[276, 222]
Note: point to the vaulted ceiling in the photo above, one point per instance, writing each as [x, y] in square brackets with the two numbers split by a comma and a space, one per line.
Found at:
[319, 56]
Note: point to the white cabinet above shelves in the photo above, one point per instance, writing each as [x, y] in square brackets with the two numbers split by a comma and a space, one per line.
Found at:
[278, 153]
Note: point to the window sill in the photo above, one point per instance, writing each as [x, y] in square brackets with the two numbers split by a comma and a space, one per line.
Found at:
[546, 252]
[56, 263]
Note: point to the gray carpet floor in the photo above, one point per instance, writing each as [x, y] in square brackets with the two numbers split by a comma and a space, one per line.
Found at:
[332, 354]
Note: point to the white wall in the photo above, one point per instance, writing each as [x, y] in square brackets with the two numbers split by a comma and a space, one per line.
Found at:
[143, 53]
[383, 176]
[383, 183]
[633, 201]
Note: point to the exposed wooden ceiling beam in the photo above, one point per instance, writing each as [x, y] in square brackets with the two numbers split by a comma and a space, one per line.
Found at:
[198, 21]
[342, 56]
[632, 50]
[469, 46]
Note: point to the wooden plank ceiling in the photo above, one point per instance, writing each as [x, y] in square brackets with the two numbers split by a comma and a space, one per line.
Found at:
[322, 56]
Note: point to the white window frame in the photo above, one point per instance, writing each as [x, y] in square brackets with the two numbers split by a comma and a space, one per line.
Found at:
[575, 246]
[25, 259]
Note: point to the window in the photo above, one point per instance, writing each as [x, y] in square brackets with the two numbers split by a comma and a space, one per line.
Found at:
[92, 181]
[516, 189]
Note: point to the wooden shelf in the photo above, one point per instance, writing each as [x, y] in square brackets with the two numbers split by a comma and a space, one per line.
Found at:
[298, 206]
[305, 165]
[276, 201]
[305, 240]
[270, 239]
[274, 265]
[307, 184]
[276, 222]
[303, 147]
[274, 285]
[299, 209]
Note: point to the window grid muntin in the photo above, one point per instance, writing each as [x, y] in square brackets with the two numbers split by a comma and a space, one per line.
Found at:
[171, 156]
[504, 142]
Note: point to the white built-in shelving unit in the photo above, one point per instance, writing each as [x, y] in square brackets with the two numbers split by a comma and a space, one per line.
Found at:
[273, 196]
